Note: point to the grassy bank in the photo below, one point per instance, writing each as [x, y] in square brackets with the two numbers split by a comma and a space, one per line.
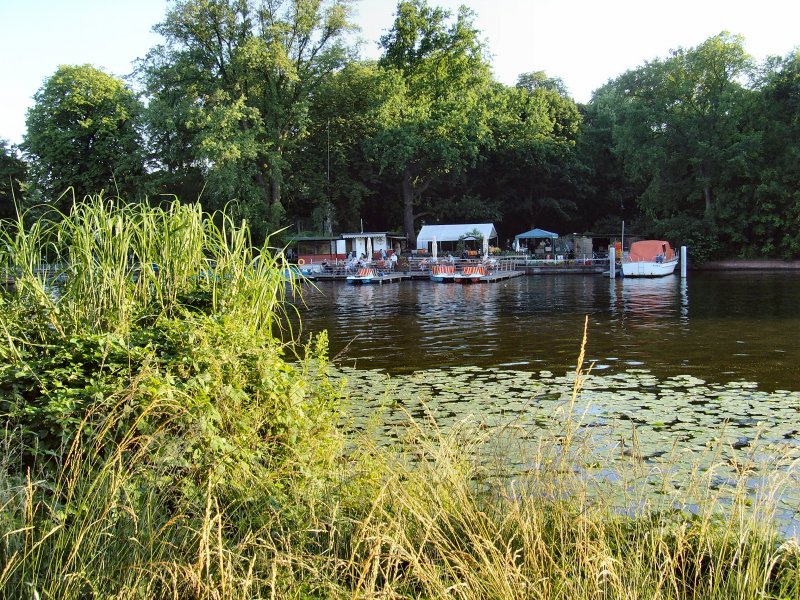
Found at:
[161, 442]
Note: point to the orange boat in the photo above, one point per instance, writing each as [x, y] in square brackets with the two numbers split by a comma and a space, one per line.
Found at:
[443, 273]
[470, 274]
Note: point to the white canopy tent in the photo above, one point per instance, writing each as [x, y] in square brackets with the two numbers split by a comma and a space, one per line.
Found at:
[432, 235]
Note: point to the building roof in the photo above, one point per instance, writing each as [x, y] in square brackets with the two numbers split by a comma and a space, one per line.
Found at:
[315, 238]
[453, 233]
[366, 234]
[536, 234]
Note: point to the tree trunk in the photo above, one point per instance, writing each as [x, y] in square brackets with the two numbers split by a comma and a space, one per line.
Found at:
[263, 184]
[269, 179]
[276, 190]
[408, 208]
[707, 194]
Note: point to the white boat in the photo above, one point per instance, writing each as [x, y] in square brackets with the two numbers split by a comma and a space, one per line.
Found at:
[649, 258]
[363, 276]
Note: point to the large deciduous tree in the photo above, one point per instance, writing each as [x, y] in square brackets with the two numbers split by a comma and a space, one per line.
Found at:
[13, 173]
[336, 185]
[82, 133]
[436, 120]
[530, 160]
[232, 85]
[679, 124]
[775, 210]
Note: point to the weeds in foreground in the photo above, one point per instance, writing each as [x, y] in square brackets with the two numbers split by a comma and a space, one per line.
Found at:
[419, 520]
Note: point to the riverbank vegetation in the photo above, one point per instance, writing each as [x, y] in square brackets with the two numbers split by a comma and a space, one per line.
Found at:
[161, 441]
[269, 103]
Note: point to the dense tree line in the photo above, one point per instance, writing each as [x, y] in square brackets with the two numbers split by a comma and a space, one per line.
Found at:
[265, 105]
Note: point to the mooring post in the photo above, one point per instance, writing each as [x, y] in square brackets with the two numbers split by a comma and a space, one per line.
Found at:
[683, 262]
[612, 263]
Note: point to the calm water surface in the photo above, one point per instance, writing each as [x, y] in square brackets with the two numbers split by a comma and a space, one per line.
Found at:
[717, 327]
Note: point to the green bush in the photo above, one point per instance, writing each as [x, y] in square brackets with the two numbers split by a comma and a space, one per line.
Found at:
[168, 305]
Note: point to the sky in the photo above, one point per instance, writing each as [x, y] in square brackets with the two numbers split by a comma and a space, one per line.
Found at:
[583, 42]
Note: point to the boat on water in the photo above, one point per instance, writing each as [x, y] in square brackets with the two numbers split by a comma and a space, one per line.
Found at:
[650, 258]
[363, 276]
[470, 274]
[293, 272]
[443, 273]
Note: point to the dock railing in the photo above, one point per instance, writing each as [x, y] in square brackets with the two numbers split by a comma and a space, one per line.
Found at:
[421, 265]
[561, 260]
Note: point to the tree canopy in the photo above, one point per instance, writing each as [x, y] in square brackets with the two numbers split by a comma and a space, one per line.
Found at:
[437, 120]
[13, 172]
[234, 80]
[82, 134]
[265, 105]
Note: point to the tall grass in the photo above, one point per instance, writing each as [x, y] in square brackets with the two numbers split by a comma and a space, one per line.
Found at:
[438, 527]
[212, 469]
[418, 521]
[110, 263]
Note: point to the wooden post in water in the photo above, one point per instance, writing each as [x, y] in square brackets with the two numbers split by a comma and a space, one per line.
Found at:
[612, 263]
[683, 262]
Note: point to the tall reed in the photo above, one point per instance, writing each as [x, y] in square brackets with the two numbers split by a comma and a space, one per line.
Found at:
[109, 264]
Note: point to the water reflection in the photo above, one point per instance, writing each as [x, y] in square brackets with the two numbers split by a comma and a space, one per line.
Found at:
[720, 327]
[684, 300]
[648, 302]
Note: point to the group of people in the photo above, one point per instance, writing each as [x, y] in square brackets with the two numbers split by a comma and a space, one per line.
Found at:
[388, 260]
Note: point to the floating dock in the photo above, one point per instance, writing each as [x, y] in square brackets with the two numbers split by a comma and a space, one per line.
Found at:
[500, 276]
[500, 269]
[394, 277]
[417, 275]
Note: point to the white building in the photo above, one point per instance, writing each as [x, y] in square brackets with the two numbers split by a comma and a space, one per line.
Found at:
[370, 242]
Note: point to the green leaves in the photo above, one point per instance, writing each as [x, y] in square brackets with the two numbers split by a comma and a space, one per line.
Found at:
[82, 134]
[679, 121]
[436, 121]
[245, 73]
[160, 334]
[13, 174]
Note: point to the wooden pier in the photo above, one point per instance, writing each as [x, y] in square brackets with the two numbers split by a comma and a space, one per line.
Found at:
[419, 268]
[398, 276]
[340, 275]
[500, 276]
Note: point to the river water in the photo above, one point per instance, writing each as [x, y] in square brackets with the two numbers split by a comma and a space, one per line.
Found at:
[719, 327]
[698, 375]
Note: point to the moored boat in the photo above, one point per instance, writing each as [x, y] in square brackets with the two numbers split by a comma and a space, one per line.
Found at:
[470, 274]
[649, 258]
[363, 276]
[298, 273]
[443, 273]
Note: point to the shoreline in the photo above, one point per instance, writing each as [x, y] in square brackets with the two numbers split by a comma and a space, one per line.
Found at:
[747, 265]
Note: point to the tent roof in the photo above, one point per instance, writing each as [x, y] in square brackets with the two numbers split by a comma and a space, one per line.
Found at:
[647, 250]
[453, 233]
[536, 233]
